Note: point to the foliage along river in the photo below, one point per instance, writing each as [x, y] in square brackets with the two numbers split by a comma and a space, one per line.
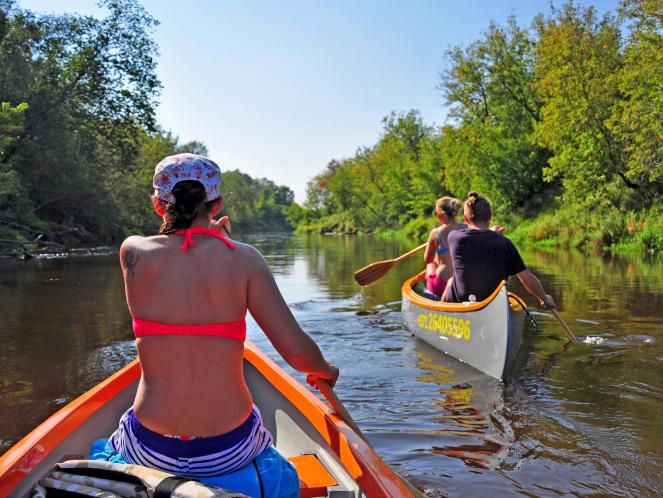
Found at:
[585, 420]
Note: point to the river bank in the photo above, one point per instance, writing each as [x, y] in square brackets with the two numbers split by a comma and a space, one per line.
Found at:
[597, 232]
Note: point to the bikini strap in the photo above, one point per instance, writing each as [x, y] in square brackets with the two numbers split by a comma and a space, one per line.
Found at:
[189, 242]
[441, 249]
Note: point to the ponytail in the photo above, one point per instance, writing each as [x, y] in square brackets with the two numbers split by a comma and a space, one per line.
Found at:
[189, 204]
[477, 208]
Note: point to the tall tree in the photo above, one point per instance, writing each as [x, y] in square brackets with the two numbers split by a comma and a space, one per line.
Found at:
[90, 85]
[490, 89]
[638, 117]
[578, 58]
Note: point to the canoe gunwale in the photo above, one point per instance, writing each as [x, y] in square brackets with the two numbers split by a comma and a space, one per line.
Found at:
[374, 476]
[408, 292]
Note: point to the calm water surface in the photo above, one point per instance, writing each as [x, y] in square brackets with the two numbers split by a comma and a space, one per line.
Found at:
[586, 419]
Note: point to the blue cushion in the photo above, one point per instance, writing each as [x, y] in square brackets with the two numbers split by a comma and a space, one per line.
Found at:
[279, 477]
[428, 294]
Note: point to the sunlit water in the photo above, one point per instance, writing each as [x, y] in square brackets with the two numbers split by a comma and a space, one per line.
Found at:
[586, 419]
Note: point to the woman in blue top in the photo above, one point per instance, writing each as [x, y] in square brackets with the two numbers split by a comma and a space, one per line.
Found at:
[437, 258]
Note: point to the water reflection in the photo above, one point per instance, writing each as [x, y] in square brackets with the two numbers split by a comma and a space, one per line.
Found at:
[469, 410]
[55, 317]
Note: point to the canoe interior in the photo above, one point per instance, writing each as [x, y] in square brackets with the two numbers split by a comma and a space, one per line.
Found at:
[300, 423]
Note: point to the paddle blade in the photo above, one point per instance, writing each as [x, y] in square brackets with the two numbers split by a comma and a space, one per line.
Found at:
[371, 273]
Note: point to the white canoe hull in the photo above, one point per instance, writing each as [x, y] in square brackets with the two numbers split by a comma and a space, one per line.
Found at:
[485, 335]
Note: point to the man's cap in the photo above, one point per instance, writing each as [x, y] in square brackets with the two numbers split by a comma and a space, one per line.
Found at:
[180, 167]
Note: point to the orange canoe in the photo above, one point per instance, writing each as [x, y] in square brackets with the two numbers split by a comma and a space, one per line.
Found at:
[331, 459]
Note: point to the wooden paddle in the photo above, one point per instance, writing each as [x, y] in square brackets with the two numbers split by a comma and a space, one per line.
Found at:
[567, 330]
[338, 407]
[374, 271]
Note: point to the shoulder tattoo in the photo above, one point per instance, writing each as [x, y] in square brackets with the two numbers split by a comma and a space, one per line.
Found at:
[130, 259]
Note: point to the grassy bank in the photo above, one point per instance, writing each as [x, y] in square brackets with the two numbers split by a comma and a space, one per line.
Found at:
[611, 231]
[606, 231]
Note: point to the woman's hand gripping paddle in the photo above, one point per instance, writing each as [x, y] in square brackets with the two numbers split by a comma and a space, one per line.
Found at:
[222, 225]
[374, 271]
[341, 411]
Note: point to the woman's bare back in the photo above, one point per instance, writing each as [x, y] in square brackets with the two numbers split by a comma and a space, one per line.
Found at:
[191, 385]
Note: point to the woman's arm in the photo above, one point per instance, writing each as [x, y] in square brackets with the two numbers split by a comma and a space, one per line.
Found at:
[270, 311]
[429, 254]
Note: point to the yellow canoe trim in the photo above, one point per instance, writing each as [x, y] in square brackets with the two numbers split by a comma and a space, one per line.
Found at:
[413, 297]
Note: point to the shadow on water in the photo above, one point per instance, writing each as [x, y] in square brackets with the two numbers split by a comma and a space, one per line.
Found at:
[577, 419]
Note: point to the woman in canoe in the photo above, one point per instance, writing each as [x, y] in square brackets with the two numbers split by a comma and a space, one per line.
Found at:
[482, 257]
[188, 290]
[437, 258]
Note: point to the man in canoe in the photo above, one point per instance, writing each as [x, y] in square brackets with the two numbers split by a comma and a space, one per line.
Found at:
[188, 290]
[483, 257]
[439, 267]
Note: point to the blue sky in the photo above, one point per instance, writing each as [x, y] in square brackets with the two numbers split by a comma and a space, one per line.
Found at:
[279, 88]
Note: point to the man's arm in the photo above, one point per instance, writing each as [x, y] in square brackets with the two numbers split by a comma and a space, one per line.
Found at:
[534, 287]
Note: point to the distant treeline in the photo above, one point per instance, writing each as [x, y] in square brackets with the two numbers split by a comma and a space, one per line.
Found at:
[78, 137]
[561, 121]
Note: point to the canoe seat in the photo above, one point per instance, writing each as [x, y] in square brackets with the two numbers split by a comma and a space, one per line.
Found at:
[314, 478]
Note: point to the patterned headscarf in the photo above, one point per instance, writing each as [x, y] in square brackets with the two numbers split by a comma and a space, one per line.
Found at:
[181, 167]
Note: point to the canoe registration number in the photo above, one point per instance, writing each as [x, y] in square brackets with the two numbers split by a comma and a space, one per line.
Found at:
[451, 326]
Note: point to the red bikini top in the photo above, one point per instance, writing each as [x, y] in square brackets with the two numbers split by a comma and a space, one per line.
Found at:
[189, 242]
[229, 330]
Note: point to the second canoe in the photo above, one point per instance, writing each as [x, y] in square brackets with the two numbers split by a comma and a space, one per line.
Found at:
[486, 335]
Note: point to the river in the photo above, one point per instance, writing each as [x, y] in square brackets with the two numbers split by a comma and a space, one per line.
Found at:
[583, 419]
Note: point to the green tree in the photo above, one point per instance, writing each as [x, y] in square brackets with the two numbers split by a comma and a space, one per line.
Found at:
[385, 185]
[578, 58]
[12, 123]
[11, 126]
[90, 85]
[256, 205]
[490, 88]
[637, 120]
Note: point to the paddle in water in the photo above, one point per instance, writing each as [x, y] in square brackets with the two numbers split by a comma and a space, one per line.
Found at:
[567, 330]
[375, 271]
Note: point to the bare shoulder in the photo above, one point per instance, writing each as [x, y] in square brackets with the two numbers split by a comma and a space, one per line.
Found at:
[136, 247]
[131, 242]
[248, 253]
[252, 260]
[446, 230]
[138, 243]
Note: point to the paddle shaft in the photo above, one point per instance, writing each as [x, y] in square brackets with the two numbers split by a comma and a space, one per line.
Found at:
[338, 407]
[410, 253]
[567, 330]
[375, 271]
